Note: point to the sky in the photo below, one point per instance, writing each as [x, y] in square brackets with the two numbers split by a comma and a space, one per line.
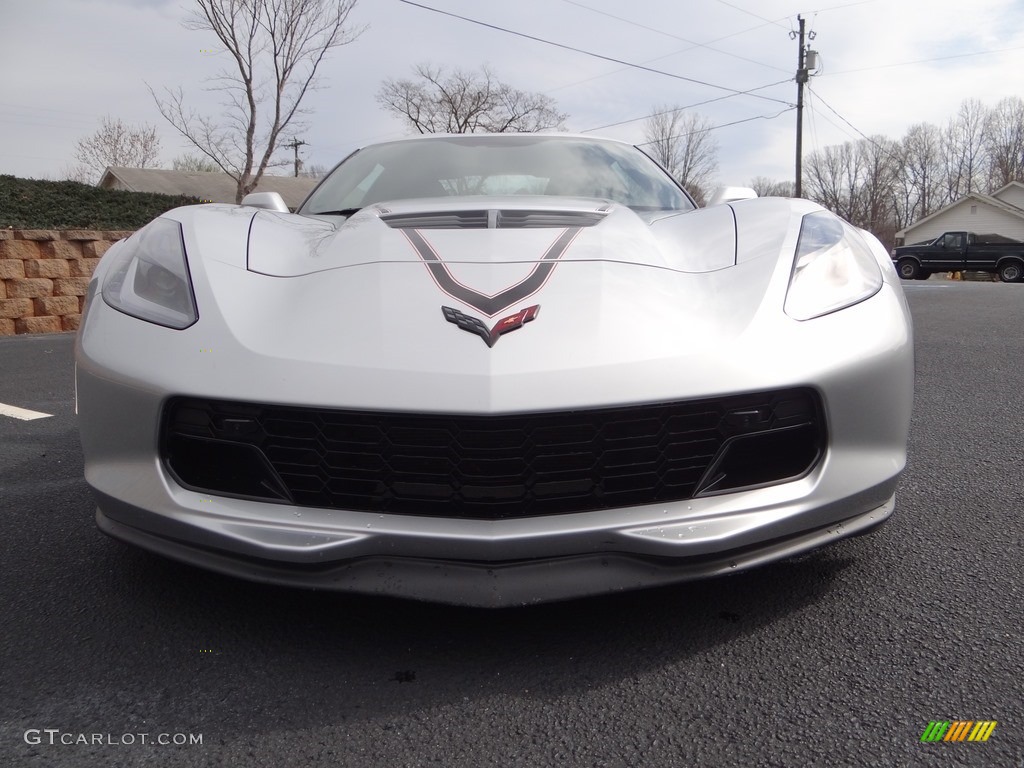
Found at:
[885, 65]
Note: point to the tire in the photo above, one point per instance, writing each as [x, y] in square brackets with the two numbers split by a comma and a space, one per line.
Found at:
[1011, 271]
[908, 269]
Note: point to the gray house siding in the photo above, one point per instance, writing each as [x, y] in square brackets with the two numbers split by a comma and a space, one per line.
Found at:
[999, 214]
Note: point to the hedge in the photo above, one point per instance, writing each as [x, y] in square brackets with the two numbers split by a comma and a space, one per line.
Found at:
[35, 204]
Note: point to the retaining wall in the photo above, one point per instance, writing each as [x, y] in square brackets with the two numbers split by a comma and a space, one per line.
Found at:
[44, 275]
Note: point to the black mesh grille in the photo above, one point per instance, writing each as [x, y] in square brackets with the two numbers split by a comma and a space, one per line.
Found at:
[491, 467]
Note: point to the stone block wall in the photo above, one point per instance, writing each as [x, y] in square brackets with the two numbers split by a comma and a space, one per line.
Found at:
[44, 275]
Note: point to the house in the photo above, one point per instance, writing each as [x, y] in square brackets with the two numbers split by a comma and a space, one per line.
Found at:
[1001, 213]
[208, 187]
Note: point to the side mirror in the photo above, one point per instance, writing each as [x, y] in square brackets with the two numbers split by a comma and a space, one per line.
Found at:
[730, 195]
[270, 201]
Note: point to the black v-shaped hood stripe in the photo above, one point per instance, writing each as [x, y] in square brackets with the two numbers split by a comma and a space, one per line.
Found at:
[491, 305]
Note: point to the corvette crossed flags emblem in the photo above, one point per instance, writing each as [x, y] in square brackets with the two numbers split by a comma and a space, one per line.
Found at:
[490, 335]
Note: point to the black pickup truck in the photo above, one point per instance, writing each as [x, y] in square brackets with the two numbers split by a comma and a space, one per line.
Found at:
[960, 251]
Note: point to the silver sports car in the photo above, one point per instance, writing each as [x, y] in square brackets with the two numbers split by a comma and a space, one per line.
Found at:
[493, 370]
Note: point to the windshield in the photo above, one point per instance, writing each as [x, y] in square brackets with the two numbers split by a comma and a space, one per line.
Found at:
[497, 165]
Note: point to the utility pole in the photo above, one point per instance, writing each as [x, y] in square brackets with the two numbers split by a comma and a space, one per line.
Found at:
[802, 76]
[296, 143]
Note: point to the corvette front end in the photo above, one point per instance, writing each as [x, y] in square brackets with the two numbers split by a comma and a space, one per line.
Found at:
[498, 401]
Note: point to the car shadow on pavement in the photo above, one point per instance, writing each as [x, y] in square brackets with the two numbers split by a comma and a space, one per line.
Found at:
[325, 658]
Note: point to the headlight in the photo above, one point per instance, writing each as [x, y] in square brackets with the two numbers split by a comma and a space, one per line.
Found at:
[149, 278]
[834, 268]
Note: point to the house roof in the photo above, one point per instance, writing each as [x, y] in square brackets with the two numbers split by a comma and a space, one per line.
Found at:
[1011, 185]
[976, 197]
[212, 187]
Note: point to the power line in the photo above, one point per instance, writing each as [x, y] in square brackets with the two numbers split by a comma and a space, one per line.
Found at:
[623, 69]
[887, 150]
[693, 44]
[44, 109]
[834, 112]
[811, 112]
[666, 56]
[39, 122]
[844, 5]
[688, 106]
[751, 13]
[21, 156]
[814, 98]
[585, 52]
[926, 61]
[721, 125]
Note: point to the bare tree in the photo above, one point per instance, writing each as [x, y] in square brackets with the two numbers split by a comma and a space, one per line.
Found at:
[963, 148]
[77, 172]
[1005, 133]
[682, 142]
[194, 163]
[313, 171]
[922, 170]
[879, 161]
[438, 101]
[767, 187]
[118, 145]
[831, 178]
[904, 197]
[856, 180]
[884, 185]
[276, 47]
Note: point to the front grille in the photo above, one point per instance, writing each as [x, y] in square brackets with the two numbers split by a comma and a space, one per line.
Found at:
[494, 219]
[492, 467]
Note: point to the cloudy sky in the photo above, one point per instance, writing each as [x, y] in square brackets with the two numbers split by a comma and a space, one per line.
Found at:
[886, 64]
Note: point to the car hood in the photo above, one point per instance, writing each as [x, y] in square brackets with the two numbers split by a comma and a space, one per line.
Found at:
[647, 309]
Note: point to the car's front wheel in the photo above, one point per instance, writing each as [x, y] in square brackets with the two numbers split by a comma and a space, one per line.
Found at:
[1011, 271]
[908, 269]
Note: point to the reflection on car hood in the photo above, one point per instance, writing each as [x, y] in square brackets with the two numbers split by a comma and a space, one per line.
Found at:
[512, 230]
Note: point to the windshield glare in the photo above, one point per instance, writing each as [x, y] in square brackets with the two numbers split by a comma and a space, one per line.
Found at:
[492, 165]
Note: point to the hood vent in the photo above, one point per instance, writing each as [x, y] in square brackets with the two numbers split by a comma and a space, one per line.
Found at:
[493, 219]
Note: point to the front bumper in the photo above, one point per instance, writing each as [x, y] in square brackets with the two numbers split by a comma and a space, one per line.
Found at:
[860, 362]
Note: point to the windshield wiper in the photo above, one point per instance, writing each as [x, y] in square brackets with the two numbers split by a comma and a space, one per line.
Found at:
[342, 212]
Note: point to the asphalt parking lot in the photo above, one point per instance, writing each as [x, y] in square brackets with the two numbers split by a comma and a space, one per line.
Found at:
[837, 658]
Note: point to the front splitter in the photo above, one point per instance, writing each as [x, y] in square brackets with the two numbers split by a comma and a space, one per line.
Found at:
[502, 584]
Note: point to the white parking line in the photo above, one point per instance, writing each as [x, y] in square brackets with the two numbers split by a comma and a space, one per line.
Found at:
[21, 413]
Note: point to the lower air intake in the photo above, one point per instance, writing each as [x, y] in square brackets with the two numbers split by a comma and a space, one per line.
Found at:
[492, 467]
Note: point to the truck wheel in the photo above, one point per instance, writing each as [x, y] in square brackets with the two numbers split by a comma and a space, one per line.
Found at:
[908, 269]
[1011, 271]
